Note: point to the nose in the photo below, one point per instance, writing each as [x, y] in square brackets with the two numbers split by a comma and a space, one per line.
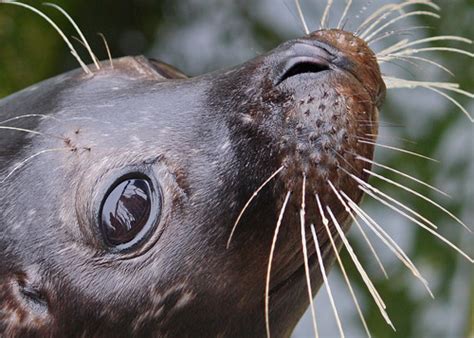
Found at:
[303, 58]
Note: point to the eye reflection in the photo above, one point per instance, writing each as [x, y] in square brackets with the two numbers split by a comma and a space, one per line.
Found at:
[126, 211]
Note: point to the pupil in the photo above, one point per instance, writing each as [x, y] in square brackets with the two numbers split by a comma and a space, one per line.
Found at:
[126, 211]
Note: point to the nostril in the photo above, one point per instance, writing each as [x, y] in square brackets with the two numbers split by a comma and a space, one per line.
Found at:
[303, 67]
[303, 58]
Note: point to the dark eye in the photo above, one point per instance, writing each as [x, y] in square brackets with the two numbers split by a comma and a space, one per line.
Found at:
[129, 212]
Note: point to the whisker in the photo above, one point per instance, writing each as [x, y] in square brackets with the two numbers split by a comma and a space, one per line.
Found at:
[432, 39]
[373, 291]
[373, 16]
[374, 136]
[326, 281]
[388, 241]
[305, 256]
[41, 116]
[393, 60]
[399, 32]
[398, 149]
[381, 123]
[395, 46]
[23, 130]
[344, 273]
[411, 51]
[325, 18]
[344, 13]
[78, 30]
[24, 162]
[349, 211]
[107, 49]
[393, 200]
[449, 86]
[342, 158]
[249, 202]
[393, 83]
[390, 8]
[402, 174]
[301, 15]
[416, 193]
[395, 20]
[83, 44]
[424, 226]
[417, 58]
[270, 259]
[51, 22]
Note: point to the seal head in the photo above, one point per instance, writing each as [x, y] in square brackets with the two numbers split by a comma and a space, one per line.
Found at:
[117, 206]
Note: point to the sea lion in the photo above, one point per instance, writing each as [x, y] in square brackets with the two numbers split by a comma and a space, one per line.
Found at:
[179, 158]
[192, 150]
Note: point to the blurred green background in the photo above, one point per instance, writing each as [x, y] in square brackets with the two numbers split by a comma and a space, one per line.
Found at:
[199, 36]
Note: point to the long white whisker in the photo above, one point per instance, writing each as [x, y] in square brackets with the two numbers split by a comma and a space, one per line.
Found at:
[375, 136]
[393, 200]
[325, 18]
[23, 130]
[382, 234]
[344, 14]
[270, 259]
[397, 149]
[393, 83]
[411, 51]
[22, 163]
[377, 13]
[249, 202]
[417, 58]
[449, 86]
[349, 211]
[301, 15]
[424, 226]
[305, 256]
[51, 22]
[416, 193]
[388, 241]
[107, 49]
[326, 281]
[402, 174]
[392, 48]
[425, 40]
[373, 291]
[388, 34]
[390, 8]
[388, 13]
[78, 30]
[84, 45]
[344, 273]
[41, 116]
[400, 204]
[401, 17]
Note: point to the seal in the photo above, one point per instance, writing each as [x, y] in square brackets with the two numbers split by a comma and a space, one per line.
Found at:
[121, 228]
[136, 201]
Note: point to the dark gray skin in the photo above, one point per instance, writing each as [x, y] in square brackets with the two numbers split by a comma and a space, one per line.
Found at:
[207, 143]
